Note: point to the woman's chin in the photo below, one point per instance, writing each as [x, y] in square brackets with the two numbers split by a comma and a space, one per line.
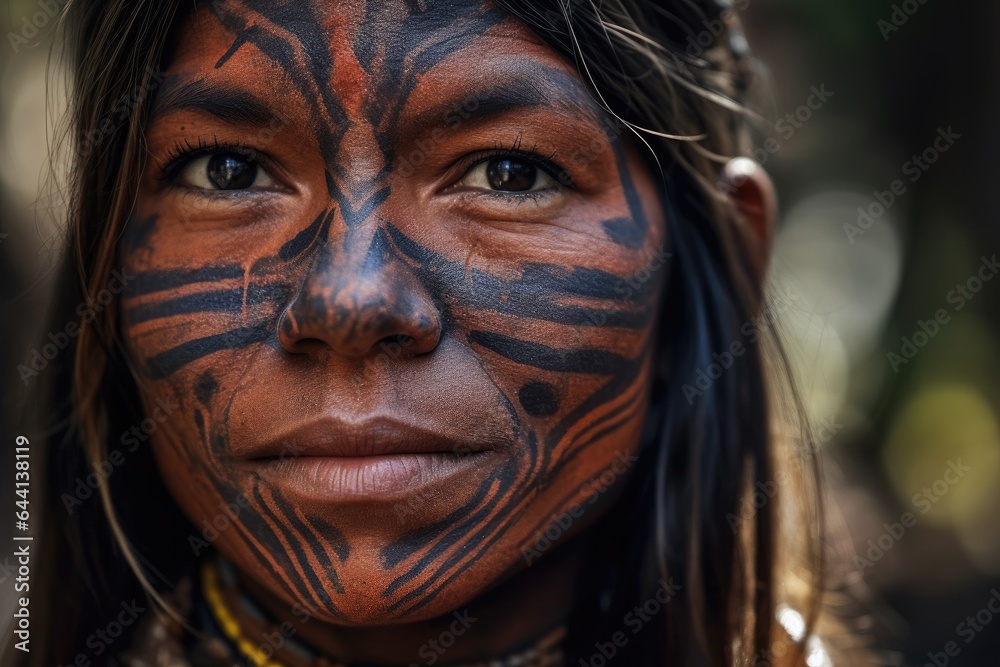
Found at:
[371, 597]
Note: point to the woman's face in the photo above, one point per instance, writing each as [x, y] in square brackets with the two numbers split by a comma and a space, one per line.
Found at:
[401, 276]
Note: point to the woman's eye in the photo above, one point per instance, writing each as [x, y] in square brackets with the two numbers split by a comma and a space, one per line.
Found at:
[508, 174]
[225, 171]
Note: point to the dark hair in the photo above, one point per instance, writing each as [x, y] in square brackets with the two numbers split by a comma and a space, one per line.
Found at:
[675, 75]
[702, 457]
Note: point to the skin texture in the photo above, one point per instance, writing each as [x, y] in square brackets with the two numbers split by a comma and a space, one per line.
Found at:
[371, 290]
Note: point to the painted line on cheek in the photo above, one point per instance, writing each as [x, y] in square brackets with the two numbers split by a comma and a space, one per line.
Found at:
[167, 363]
[149, 282]
[536, 355]
[207, 302]
[640, 226]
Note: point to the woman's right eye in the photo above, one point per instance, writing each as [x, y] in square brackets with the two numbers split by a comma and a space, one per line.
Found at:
[226, 170]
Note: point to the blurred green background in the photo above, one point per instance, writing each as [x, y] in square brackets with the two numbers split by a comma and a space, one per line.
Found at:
[897, 347]
[895, 326]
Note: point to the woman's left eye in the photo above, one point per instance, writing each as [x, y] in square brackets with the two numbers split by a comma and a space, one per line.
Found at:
[508, 174]
[225, 170]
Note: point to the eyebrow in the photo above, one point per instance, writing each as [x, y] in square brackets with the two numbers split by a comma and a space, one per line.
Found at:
[230, 105]
[545, 88]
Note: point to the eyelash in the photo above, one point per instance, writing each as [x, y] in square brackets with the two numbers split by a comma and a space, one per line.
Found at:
[532, 156]
[184, 152]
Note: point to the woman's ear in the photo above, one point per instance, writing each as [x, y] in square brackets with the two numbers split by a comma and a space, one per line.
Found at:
[751, 193]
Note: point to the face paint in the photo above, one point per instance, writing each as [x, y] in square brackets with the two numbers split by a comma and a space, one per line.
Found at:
[403, 284]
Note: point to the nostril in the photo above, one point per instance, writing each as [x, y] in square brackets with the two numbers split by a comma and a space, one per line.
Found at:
[402, 339]
[396, 345]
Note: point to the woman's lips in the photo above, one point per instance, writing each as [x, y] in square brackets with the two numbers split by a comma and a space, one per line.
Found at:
[335, 437]
[377, 459]
[387, 477]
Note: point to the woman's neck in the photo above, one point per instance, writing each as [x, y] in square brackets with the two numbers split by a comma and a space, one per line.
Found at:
[526, 607]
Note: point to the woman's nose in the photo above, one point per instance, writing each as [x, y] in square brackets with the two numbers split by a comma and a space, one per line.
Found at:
[356, 298]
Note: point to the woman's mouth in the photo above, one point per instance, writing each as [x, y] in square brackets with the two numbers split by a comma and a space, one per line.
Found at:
[376, 460]
[385, 477]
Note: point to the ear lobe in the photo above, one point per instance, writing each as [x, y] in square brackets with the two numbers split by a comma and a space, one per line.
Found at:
[751, 194]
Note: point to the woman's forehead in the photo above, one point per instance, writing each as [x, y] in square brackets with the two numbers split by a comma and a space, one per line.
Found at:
[394, 37]
[394, 66]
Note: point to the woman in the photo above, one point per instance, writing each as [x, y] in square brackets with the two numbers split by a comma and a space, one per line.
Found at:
[402, 371]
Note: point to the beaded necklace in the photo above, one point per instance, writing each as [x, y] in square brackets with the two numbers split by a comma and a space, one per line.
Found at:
[220, 593]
